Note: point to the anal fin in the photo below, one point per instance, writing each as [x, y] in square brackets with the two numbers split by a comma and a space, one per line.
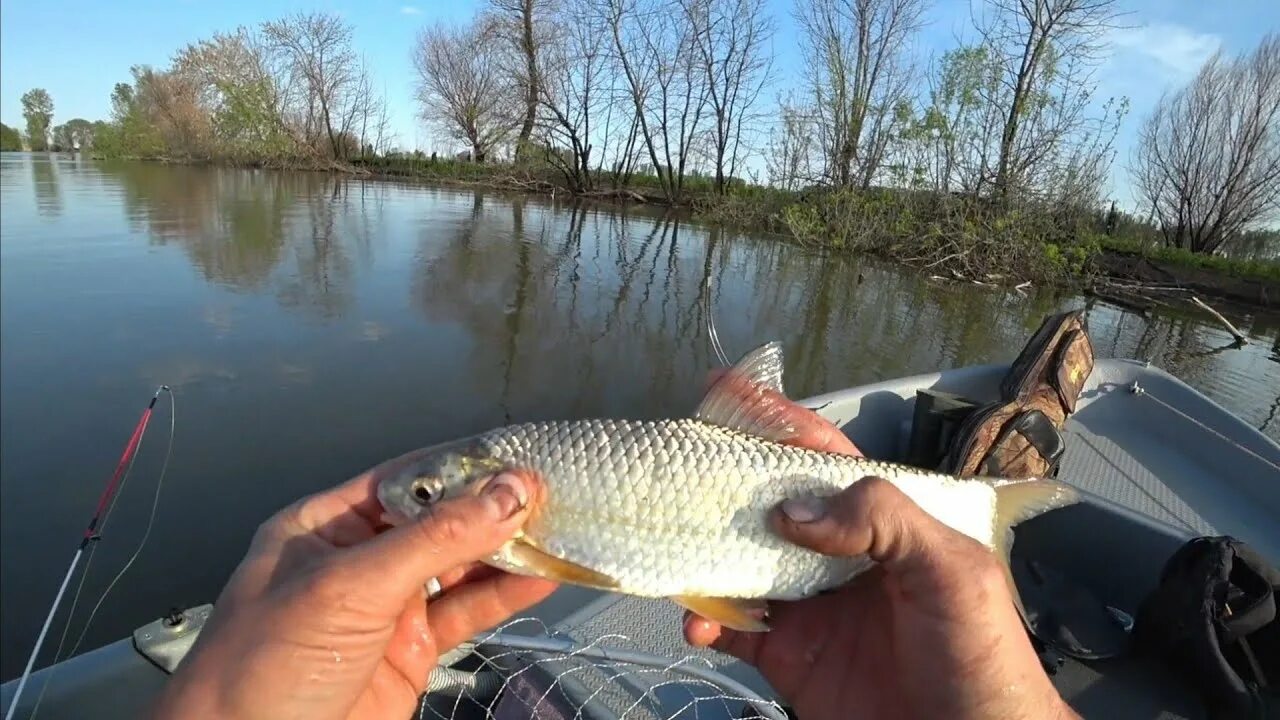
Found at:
[557, 569]
[1016, 501]
[734, 613]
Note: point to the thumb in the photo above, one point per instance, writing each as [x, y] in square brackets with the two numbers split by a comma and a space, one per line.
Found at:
[455, 532]
[872, 517]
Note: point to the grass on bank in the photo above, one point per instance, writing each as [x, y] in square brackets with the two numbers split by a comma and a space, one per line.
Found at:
[1236, 267]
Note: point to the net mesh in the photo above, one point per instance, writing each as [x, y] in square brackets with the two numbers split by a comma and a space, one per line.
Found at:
[527, 670]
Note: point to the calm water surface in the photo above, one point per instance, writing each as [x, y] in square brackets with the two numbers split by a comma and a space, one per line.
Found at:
[312, 326]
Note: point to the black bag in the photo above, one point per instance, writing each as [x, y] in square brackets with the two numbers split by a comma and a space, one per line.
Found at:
[1213, 618]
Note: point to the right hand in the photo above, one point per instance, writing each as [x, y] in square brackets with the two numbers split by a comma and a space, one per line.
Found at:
[930, 632]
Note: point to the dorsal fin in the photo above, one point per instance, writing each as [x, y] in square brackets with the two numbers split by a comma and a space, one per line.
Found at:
[749, 397]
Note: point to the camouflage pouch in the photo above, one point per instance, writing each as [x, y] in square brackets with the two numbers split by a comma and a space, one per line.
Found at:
[1010, 439]
[1058, 358]
[1020, 436]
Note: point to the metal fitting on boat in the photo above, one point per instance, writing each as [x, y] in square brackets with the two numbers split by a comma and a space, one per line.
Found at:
[166, 641]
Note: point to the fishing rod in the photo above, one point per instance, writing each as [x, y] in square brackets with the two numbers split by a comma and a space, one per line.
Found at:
[90, 535]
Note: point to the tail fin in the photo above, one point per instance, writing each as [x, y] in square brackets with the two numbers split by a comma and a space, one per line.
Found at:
[1018, 500]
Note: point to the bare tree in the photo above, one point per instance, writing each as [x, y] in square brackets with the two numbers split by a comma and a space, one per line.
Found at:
[653, 48]
[1043, 51]
[524, 26]
[856, 71]
[571, 92]
[789, 153]
[1208, 156]
[461, 87]
[318, 48]
[731, 42]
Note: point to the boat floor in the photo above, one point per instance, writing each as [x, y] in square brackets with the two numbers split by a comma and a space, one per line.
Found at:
[1166, 464]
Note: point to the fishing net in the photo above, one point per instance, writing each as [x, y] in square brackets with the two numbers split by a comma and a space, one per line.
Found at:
[526, 670]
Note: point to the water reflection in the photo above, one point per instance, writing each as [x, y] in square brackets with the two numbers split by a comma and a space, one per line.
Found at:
[252, 230]
[555, 300]
[44, 181]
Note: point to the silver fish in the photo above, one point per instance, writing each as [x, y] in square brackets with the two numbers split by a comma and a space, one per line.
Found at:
[677, 508]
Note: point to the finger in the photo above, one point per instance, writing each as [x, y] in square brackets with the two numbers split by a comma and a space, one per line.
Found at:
[456, 532]
[411, 652]
[811, 430]
[701, 632]
[465, 574]
[870, 517]
[816, 433]
[474, 607]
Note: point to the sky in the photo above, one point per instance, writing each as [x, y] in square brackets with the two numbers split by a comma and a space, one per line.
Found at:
[78, 49]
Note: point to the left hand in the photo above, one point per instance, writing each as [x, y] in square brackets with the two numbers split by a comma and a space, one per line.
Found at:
[326, 617]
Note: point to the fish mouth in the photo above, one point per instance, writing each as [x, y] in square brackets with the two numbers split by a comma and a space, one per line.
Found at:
[392, 497]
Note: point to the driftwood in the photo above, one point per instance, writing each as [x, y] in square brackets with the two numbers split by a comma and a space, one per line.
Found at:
[1128, 300]
[617, 194]
[1239, 336]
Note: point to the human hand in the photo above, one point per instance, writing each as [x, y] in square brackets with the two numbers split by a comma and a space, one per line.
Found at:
[326, 616]
[931, 631]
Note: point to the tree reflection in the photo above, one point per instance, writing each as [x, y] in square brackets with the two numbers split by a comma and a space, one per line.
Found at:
[44, 180]
[251, 230]
[321, 280]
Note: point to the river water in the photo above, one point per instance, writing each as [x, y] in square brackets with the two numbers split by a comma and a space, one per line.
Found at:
[311, 326]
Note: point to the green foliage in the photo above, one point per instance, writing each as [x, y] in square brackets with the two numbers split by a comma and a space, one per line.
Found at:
[129, 134]
[10, 139]
[130, 137]
[246, 125]
[121, 101]
[37, 109]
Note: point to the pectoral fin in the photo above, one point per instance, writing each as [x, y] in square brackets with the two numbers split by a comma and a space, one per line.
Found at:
[733, 613]
[554, 568]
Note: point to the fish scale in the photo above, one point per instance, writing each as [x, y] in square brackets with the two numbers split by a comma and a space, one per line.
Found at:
[617, 501]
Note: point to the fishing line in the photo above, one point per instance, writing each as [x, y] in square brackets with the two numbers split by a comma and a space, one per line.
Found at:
[92, 533]
[712, 335]
[1140, 391]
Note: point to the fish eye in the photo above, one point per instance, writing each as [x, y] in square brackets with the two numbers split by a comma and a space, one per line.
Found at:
[422, 492]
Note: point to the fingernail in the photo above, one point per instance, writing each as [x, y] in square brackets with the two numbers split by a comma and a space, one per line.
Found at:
[804, 509]
[507, 496]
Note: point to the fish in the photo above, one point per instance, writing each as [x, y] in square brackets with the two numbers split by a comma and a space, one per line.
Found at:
[677, 508]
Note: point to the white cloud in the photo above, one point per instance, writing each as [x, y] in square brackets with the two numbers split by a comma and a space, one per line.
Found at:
[410, 10]
[1178, 51]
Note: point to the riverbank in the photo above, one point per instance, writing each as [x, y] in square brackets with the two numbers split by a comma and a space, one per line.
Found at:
[1164, 276]
[944, 236]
